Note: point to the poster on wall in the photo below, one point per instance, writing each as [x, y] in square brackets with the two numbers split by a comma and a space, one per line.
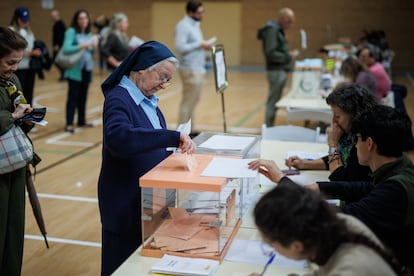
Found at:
[48, 4]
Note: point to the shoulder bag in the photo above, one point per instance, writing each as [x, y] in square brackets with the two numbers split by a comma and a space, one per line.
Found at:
[16, 150]
[68, 61]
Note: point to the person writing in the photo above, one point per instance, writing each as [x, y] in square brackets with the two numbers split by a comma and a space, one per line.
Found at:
[12, 184]
[299, 224]
[347, 102]
[135, 138]
[386, 203]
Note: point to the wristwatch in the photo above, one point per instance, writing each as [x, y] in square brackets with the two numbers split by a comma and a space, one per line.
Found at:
[333, 151]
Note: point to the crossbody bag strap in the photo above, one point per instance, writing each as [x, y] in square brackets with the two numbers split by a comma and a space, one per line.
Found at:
[15, 94]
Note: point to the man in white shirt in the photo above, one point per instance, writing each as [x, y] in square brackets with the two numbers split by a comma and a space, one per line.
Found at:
[191, 46]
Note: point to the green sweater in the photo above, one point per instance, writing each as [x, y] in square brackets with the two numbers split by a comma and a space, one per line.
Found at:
[401, 171]
[275, 47]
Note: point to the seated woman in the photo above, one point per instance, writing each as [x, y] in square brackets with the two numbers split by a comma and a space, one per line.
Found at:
[347, 101]
[355, 72]
[299, 224]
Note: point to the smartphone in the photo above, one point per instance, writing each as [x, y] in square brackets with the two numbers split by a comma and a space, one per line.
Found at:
[291, 172]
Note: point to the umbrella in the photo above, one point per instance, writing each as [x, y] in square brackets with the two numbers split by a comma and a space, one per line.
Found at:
[34, 201]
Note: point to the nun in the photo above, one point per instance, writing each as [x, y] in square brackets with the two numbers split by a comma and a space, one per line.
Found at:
[135, 139]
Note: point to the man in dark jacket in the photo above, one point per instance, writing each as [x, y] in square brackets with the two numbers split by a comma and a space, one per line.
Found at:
[58, 34]
[278, 58]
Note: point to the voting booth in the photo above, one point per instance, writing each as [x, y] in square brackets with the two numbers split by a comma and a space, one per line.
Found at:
[306, 78]
[186, 212]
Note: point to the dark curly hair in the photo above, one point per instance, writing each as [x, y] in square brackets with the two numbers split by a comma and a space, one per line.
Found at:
[290, 213]
[353, 99]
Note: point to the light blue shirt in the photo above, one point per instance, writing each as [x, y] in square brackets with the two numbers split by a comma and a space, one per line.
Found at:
[86, 61]
[188, 38]
[149, 105]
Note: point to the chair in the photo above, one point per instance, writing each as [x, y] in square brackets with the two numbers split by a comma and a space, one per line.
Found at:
[301, 114]
[292, 133]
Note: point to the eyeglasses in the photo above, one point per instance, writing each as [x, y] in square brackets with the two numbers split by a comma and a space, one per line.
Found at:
[355, 138]
[164, 80]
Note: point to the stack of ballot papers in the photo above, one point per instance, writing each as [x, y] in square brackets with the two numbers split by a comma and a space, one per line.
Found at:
[174, 265]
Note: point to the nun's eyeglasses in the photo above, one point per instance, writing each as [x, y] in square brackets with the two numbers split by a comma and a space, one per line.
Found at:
[164, 80]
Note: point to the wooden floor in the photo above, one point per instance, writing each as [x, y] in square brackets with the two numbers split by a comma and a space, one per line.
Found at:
[66, 179]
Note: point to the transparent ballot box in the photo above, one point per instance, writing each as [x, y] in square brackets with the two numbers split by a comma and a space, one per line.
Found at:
[187, 214]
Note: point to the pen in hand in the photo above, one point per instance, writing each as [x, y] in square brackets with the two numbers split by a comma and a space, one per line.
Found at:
[272, 256]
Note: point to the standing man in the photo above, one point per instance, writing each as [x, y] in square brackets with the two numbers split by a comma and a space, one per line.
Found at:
[278, 58]
[191, 46]
[58, 34]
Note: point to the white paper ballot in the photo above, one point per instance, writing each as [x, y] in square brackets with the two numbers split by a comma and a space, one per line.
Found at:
[212, 40]
[229, 168]
[190, 162]
[185, 127]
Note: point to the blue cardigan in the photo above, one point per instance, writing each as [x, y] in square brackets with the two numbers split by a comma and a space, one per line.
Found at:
[131, 147]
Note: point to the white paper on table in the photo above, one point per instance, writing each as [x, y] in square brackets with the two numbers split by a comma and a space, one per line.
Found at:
[185, 266]
[227, 142]
[306, 155]
[251, 251]
[299, 179]
[229, 168]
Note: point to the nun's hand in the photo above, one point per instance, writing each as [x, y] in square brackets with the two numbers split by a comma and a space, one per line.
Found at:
[186, 144]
